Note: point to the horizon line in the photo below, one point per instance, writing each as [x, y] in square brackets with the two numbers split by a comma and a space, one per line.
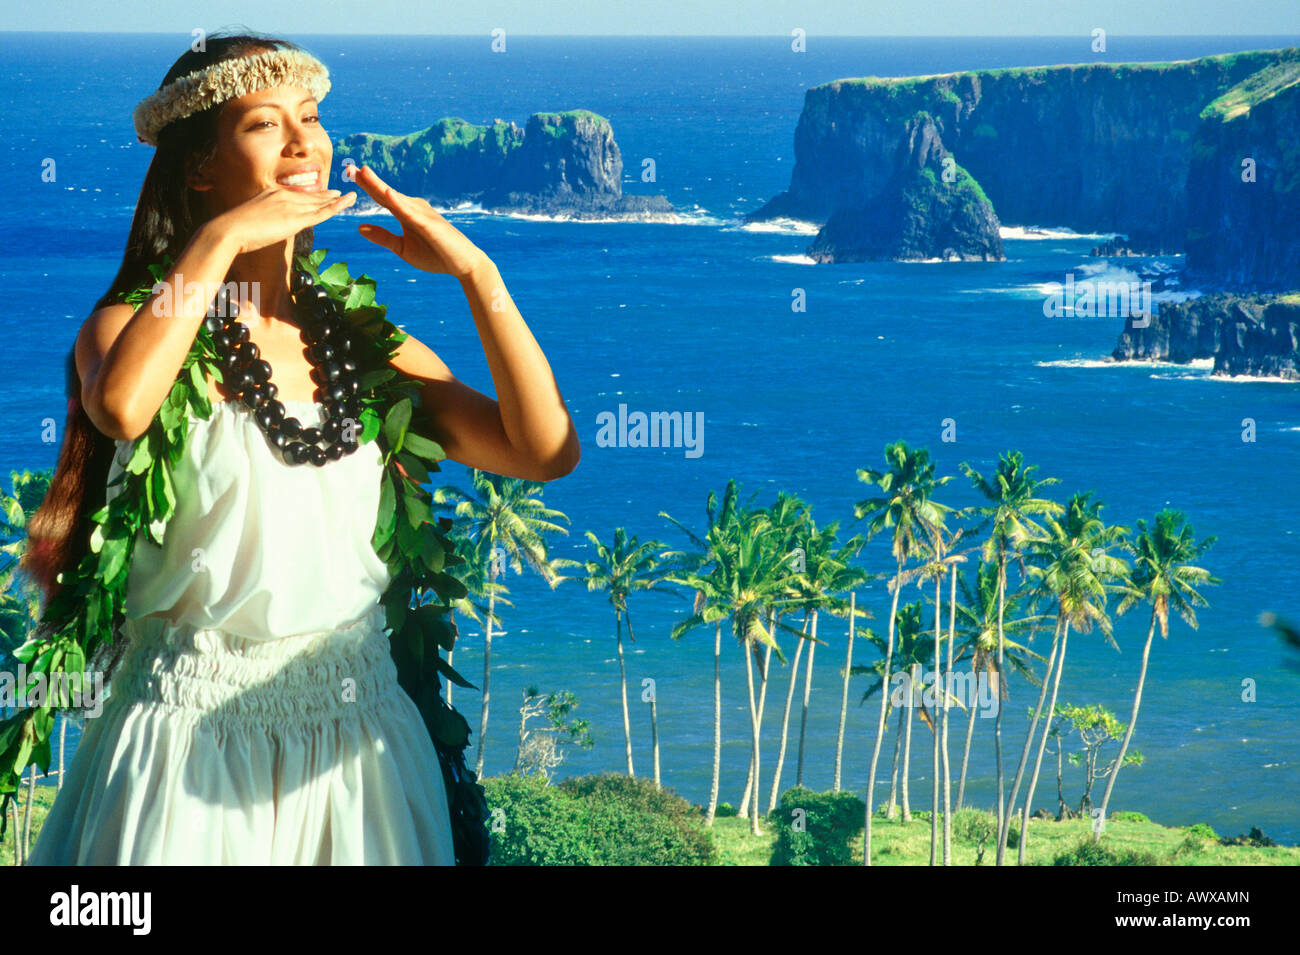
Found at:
[687, 36]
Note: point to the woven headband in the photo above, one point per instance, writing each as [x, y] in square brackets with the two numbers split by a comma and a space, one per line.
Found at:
[228, 79]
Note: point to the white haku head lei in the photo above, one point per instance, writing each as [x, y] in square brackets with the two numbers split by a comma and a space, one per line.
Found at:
[228, 79]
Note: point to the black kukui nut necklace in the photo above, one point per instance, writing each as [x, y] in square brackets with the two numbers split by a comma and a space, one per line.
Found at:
[329, 349]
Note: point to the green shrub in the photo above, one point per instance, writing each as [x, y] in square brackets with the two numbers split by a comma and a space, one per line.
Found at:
[1087, 852]
[593, 820]
[1203, 831]
[724, 809]
[1254, 838]
[533, 823]
[630, 821]
[1128, 817]
[816, 828]
[974, 826]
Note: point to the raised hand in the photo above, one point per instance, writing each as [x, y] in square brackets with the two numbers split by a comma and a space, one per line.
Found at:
[277, 213]
[428, 241]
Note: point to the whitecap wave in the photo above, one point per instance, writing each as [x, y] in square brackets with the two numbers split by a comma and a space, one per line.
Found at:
[1196, 364]
[1035, 233]
[782, 225]
[794, 259]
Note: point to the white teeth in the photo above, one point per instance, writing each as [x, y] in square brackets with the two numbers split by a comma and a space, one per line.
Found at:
[300, 179]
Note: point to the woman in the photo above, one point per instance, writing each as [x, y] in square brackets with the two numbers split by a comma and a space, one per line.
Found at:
[255, 716]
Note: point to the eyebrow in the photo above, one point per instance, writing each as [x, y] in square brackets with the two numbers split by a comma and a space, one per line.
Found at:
[305, 100]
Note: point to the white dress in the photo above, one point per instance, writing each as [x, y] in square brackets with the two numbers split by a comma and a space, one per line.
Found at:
[255, 717]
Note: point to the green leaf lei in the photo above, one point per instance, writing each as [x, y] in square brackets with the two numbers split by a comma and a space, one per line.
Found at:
[417, 550]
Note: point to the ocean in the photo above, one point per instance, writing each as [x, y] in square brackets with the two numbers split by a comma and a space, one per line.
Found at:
[695, 316]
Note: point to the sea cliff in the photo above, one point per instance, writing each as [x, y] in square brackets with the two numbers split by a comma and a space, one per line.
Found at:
[1148, 150]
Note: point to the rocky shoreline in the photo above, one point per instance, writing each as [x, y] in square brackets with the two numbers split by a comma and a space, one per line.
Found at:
[1245, 334]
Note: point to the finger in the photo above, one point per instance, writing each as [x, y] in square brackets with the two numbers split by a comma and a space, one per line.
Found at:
[381, 236]
[333, 207]
[384, 194]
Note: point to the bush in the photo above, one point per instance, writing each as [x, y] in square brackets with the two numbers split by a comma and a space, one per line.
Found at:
[630, 821]
[724, 809]
[593, 820]
[816, 828]
[974, 826]
[1254, 838]
[1128, 817]
[1202, 831]
[533, 823]
[1087, 852]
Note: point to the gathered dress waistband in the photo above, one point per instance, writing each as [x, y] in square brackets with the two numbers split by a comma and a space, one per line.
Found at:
[290, 682]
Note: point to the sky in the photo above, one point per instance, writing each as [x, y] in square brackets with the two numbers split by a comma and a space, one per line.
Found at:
[669, 17]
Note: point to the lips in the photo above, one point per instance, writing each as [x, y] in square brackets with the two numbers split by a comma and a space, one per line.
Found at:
[303, 179]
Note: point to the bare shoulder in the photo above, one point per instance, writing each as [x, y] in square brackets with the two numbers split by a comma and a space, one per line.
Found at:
[414, 357]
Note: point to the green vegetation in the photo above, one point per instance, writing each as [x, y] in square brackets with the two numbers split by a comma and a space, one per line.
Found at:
[593, 820]
[816, 828]
[1253, 90]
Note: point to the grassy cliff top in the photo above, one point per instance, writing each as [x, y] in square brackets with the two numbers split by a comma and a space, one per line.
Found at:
[453, 131]
[1254, 90]
[1224, 60]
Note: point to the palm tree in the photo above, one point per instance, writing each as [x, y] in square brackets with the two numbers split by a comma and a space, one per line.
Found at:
[620, 569]
[507, 518]
[789, 519]
[1164, 576]
[1012, 489]
[906, 505]
[825, 572]
[472, 573]
[1073, 568]
[979, 611]
[908, 656]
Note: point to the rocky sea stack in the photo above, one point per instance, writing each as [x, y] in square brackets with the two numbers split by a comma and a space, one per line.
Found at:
[559, 164]
[929, 208]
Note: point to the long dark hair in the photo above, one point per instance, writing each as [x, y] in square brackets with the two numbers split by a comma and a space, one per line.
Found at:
[166, 216]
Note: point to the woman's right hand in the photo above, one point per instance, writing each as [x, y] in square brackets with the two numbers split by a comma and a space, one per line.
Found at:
[276, 214]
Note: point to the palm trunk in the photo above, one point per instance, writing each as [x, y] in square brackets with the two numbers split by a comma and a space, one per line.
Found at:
[753, 725]
[622, 682]
[907, 742]
[13, 818]
[654, 737]
[934, 721]
[892, 807]
[844, 695]
[965, 756]
[947, 774]
[1029, 742]
[997, 717]
[1038, 765]
[1132, 722]
[717, 723]
[63, 739]
[751, 784]
[785, 717]
[803, 716]
[880, 725]
[487, 673]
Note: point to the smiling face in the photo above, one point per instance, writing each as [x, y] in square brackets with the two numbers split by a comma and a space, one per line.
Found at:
[269, 137]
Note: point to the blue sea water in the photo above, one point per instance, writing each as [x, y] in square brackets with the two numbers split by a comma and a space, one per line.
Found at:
[696, 317]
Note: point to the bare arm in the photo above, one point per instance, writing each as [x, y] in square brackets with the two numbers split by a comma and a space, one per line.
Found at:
[128, 359]
[527, 431]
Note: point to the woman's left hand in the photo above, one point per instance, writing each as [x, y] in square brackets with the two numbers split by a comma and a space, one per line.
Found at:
[428, 241]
